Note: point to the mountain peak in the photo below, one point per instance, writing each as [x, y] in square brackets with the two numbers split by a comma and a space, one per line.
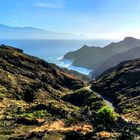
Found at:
[129, 39]
[3, 26]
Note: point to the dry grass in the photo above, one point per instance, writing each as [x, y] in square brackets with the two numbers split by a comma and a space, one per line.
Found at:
[60, 126]
[2, 107]
[132, 117]
[105, 134]
[70, 76]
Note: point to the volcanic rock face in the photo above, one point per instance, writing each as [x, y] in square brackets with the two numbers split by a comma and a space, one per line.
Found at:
[121, 84]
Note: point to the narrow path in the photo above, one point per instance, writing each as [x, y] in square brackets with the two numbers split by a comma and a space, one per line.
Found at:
[108, 103]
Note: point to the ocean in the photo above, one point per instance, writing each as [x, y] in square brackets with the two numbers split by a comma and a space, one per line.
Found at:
[53, 50]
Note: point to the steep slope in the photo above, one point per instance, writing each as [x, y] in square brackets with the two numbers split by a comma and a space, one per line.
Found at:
[30, 92]
[39, 100]
[84, 77]
[113, 61]
[17, 66]
[88, 57]
[121, 85]
[92, 57]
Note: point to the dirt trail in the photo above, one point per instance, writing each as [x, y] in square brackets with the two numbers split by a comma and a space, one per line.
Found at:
[105, 99]
[126, 119]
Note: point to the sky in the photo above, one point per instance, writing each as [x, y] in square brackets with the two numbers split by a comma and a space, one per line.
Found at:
[100, 19]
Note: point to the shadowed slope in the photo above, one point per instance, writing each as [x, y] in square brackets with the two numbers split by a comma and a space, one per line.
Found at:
[121, 85]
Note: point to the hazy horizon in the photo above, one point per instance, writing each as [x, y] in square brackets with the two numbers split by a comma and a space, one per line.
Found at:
[94, 19]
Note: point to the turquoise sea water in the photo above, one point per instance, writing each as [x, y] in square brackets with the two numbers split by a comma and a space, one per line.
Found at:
[53, 50]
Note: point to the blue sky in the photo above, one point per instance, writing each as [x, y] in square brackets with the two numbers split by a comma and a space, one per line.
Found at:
[111, 19]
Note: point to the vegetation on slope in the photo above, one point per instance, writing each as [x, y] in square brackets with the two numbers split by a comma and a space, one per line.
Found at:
[30, 92]
[40, 101]
[121, 85]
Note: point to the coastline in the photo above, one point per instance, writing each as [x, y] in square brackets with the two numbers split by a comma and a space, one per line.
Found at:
[65, 63]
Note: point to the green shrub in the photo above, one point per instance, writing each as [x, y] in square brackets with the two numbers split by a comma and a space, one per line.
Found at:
[107, 115]
[35, 115]
[138, 130]
[1, 97]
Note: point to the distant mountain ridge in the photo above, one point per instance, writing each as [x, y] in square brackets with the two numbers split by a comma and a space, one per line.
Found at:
[93, 57]
[10, 27]
[8, 32]
[113, 61]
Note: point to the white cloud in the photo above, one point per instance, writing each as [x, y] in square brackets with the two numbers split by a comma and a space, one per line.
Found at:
[52, 5]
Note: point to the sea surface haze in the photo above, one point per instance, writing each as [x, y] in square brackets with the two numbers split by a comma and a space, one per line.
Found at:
[54, 50]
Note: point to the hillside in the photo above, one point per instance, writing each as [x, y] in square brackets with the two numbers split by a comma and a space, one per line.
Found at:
[41, 101]
[92, 57]
[121, 85]
[113, 61]
[84, 77]
[30, 92]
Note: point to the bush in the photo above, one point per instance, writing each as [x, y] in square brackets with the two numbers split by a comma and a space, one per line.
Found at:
[41, 114]
[106, 115]
[138, 130]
